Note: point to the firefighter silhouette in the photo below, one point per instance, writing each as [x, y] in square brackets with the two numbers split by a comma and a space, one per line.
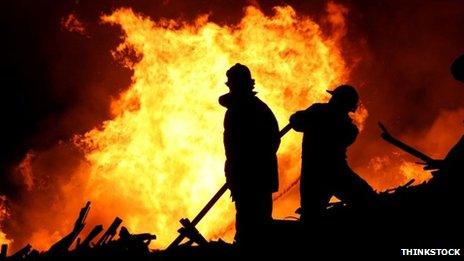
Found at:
[328, 132]
[251, 140]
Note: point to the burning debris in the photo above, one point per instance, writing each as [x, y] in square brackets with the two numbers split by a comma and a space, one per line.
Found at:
[439, 199]
[71, 246]
[153, 137]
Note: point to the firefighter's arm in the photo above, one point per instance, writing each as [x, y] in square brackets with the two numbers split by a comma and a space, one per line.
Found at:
[298, 121]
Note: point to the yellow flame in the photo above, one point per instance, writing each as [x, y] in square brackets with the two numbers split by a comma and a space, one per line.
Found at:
[161, 157]
[3, 215]
[4, 239]
[412, 170]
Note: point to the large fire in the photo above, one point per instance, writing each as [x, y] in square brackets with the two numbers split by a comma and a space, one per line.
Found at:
[161, 157]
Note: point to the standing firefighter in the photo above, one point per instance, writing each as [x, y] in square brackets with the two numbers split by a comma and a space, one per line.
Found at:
[251, 140]
[328, 132]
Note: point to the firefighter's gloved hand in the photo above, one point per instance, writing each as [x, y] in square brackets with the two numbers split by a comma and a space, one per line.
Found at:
[297, 121]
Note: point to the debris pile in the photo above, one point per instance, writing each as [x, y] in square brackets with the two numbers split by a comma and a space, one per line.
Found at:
[428, 215]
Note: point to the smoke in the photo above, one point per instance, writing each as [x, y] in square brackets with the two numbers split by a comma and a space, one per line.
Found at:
[57, 83]
[403, 51]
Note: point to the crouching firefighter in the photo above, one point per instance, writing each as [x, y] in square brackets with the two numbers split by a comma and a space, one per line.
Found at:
[328, 132]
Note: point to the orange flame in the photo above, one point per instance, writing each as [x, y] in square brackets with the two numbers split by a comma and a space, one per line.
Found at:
[3, 215]
[161, 157]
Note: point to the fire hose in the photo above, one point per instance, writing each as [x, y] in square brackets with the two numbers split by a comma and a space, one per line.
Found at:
[187, 224]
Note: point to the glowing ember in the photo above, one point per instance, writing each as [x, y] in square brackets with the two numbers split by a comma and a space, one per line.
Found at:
[71, 23]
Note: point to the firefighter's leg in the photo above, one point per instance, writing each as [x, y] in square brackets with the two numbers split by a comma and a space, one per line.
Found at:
[254, 216]
[314, 199]
[353, 189]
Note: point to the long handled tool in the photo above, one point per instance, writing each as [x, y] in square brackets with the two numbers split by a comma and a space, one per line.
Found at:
[403, 146]
[188, 225]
